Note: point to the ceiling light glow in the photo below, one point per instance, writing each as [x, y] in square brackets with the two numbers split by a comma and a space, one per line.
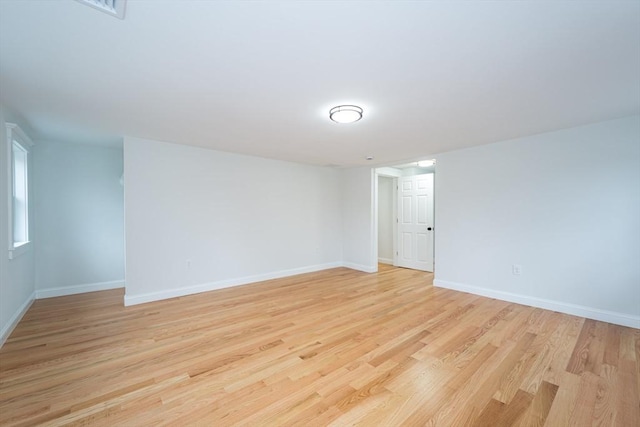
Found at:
[345, 113]
[426, 163]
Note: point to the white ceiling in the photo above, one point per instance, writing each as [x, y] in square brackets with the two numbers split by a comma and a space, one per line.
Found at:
[259, 77]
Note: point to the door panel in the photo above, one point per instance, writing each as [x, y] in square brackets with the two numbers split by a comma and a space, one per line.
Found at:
[422, 244]
[423, 206]
[407, 246]
[406, 210]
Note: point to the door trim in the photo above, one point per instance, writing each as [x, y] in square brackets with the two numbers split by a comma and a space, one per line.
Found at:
[391, 172]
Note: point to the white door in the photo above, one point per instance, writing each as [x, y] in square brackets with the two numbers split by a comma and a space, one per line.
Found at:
[415, 222]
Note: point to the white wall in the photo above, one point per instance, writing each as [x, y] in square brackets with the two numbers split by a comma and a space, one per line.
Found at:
[385, 219]
[17, 284]
[565, 205]
[360, 246]
[198, 219]
[79, 205]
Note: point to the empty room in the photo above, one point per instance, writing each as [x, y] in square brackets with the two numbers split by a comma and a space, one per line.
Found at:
[324, 213]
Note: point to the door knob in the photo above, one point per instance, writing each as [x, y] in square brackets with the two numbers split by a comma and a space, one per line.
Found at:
[428, 228]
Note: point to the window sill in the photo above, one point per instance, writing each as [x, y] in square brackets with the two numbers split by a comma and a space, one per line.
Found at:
[19, 249]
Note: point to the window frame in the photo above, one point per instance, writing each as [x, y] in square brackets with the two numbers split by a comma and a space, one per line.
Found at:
[15, 135]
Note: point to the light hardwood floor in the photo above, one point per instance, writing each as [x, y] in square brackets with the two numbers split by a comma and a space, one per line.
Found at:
[337, 347]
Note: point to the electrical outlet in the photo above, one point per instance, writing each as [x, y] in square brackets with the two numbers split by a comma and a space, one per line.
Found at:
[516, 269]
[188, 263]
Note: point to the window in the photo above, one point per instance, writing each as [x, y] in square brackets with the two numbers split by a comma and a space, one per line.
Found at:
[19, 145]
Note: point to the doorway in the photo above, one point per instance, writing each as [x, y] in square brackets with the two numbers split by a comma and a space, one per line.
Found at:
[405, 216]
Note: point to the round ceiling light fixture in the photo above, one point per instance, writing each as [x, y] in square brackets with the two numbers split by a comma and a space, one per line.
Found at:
[345, 113]
[426, 163]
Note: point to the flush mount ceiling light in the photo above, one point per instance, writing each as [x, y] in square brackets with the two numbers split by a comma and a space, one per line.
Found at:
[345, 113]
[426, 163]
[112, 7]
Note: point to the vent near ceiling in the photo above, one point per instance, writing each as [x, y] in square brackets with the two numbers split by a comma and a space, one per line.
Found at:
[112, 7]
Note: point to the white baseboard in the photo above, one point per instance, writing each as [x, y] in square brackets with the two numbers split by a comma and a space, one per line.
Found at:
[17, 316]
[360, 267]
[78, 289]
[562, 307]
[385, 261]
[206, 287]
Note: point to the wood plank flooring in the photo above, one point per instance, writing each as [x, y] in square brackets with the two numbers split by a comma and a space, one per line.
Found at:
[337, 347]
